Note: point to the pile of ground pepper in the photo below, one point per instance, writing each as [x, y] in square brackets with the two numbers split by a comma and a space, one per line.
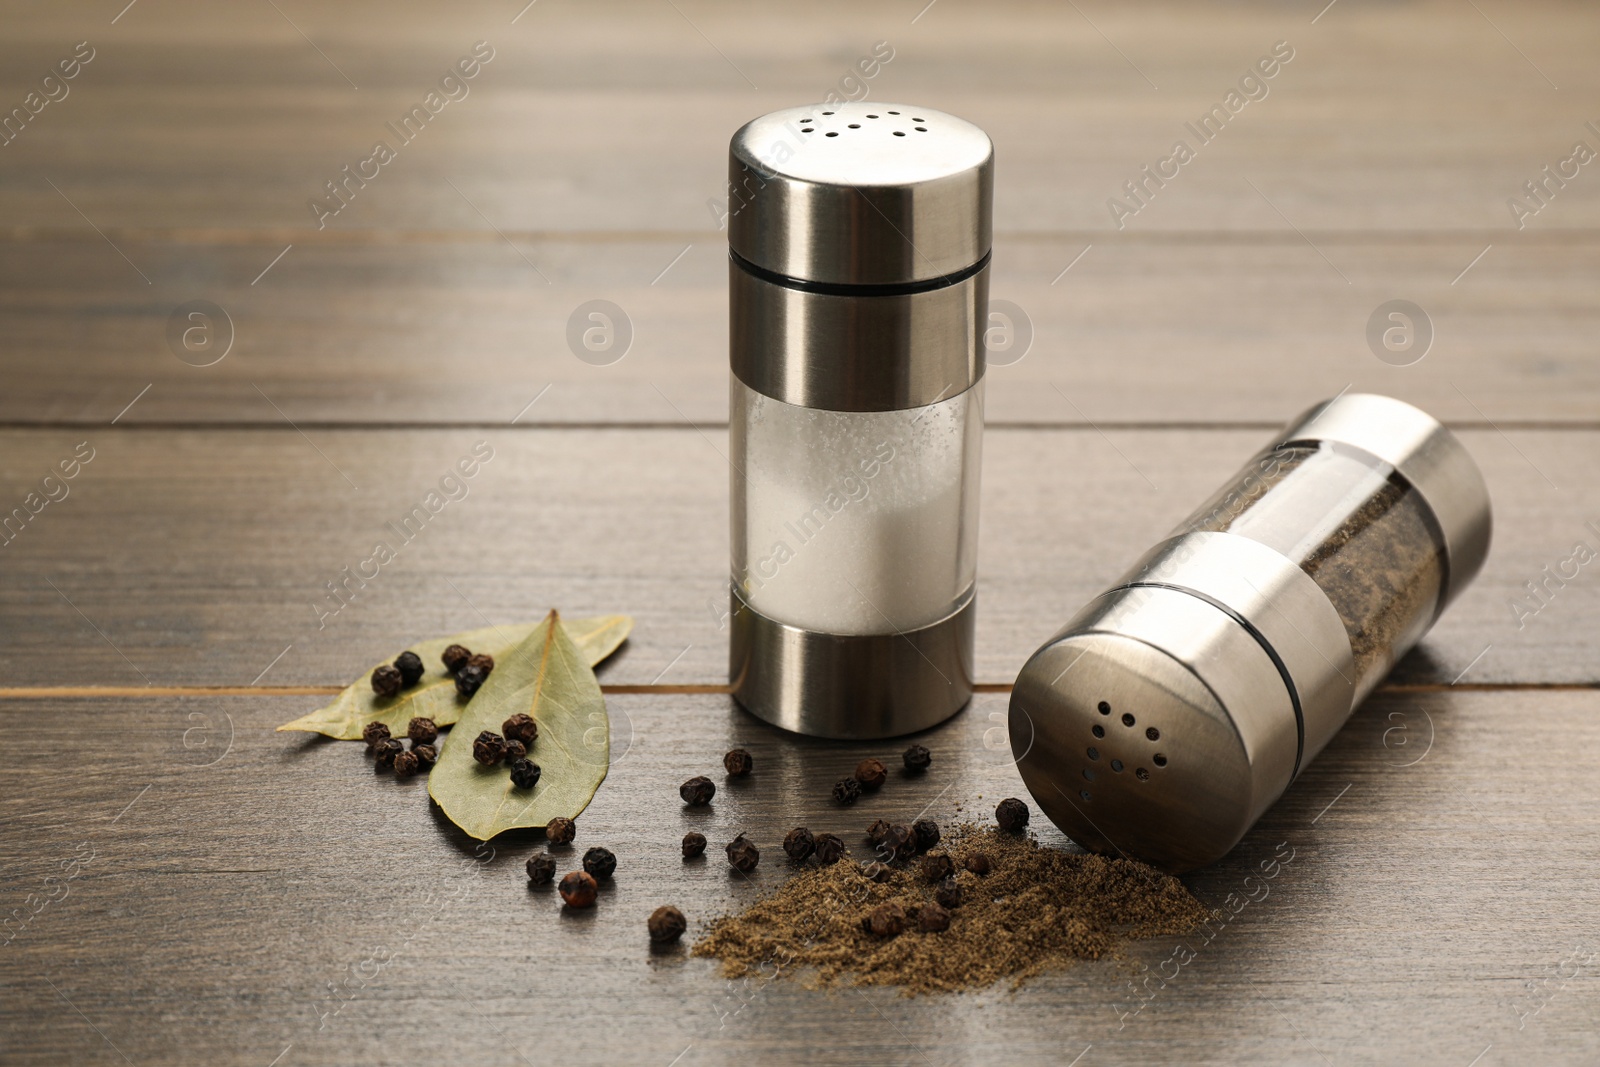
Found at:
[1038, 910]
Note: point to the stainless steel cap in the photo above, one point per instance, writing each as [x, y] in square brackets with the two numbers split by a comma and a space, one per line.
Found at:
[1424, 453]
[860, 194]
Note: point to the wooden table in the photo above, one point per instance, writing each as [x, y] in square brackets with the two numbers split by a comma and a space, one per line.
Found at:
[190, 886]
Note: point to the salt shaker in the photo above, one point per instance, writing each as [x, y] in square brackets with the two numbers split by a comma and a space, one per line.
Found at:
[858, 280]
[1171, 712]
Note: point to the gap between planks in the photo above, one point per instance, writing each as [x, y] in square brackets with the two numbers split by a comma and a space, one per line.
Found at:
[44, 692]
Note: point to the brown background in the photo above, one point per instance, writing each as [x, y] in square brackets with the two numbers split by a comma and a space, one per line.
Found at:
[258, 898]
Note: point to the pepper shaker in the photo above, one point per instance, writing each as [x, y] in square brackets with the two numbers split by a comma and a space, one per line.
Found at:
[1176, 707]
[859, 238]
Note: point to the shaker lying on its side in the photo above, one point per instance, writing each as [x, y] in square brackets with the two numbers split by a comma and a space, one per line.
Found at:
[1175, 708]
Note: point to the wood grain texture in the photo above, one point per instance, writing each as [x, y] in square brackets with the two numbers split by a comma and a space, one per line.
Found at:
[265, 893]
[197, 557]
[451, 331]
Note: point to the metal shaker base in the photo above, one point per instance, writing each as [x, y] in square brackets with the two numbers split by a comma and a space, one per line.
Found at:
[851, 687]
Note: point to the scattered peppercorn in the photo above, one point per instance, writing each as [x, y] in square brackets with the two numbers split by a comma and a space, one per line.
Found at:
[409, 664]
[897, 844]
[698, 791]
[738, 763]
[871, 773]
[521, 727]
[886, 920]
[926, 831]
[877, 872]
[422, 731]
[799, 843]
[483, 660]
[666, 923]
[948, 894]
[830, 849]
[1011, 814]
[578, 889]
[600, 862]
[515, 750]
[525, 773]
[932, 919]
[847, 790]
[917, 758]
[455, 657]
[385, 681]
[937, 868]
[426, 755]
[560, 830]
[386, 750]
[405, 764]
[374, 732]
[978, 864]
[541, 868]
[876, 832]
[469, 680]
[742, 855]
[694, 844]
[489, 748]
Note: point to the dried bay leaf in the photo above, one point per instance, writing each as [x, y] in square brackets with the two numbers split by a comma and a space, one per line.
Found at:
[434, 697]
[548, 677]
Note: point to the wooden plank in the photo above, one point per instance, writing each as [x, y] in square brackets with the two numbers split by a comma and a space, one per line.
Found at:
[257, 896]
[1416, 117]
[201, 557]
[1137, 331]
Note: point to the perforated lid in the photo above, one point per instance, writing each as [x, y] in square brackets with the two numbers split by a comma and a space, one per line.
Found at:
[860, 194]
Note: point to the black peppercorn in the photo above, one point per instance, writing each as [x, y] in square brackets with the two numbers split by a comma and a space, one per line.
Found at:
[926, 831]
[386, 750]
[521, 727]
[409, 664]
[578, 889]
[937, 868]
[799, 843]
[469, 680]
[830, 849]
[560, 830]
[877, 872]
[385, 681]
[515, 750]
[876, 832]
[455, 657]
[847, 790]
[871, 773]
[694, 844]
[886, 920]
[374, 732]
[541, 868]
[482, 660]
[978, 864]
[948, 894]
[932, 919]
[897, 843]
[600, 862]
[422, 731]
[426, 755]
[738, 763]
[405, 764]
[698, 791]
[917, 758]
[666, 923]
[742, 855]
[489, 748]
[1011, 814]
[524, 773]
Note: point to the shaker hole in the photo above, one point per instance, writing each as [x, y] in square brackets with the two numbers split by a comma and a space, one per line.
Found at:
[1105, 709]
[1094, 753]
[1098, 731]
[1084, 793]
[894, 112]
[1153, 734]
[1088, 775]
[855, 125]
[1159, 760]
[899, 133]
[806, 129]
[833, 133]
[922, 129]
[872, 116]
[1116, 765]
[1127, 719]
[827, 112]
[1142, 774]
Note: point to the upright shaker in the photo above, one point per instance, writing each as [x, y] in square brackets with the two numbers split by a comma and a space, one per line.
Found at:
[1171, 712]
[858, 282]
